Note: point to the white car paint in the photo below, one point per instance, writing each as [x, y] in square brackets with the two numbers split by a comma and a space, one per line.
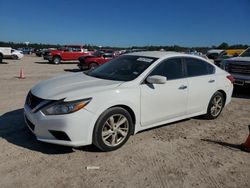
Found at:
[150, 107]
[17, 53]
[8, 52]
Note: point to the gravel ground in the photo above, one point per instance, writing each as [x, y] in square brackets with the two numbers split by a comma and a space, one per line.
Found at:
[190, 153]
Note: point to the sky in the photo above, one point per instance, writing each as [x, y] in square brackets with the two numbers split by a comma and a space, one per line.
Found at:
[189, 23]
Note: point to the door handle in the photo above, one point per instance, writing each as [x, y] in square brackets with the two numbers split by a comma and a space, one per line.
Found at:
[211, 81]
[183, 87]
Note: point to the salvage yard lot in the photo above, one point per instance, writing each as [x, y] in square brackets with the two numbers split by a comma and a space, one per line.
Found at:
[190, 153]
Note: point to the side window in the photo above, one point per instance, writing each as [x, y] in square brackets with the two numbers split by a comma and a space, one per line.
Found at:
[197, 67]
[171, 68]
[76, 49]
[213, 55]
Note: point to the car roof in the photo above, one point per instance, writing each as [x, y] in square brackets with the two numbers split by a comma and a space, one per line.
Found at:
[166, 54]
[155, 54]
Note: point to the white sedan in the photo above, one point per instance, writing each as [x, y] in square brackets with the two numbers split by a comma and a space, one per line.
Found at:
[129, 94]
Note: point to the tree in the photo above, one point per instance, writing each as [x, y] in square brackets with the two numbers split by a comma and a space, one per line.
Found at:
[223, 45]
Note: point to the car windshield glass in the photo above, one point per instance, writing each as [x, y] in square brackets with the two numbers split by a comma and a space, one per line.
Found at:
[123, 68]
[223, 55]
[97, 53]
[246, 53]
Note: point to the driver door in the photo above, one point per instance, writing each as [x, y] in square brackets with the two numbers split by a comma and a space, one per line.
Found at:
[161, 102]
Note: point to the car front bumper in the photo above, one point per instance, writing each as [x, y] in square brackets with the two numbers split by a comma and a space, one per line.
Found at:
[47, 57]
[70, 130]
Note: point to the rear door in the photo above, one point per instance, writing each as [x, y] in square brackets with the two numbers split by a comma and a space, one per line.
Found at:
[201, 82]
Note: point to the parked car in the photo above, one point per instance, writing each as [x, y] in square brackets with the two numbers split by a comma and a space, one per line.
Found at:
[4, 52]
[227, 54]
[97, 58]
[239, 67]
[213, 53]
[67, 53]
[16, 54]
[9, 53]
[126, 95]
[26, 50]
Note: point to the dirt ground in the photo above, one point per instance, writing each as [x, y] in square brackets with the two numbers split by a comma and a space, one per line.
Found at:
[191, 153]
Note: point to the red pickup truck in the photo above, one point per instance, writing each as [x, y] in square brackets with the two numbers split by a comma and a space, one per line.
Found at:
[97, 58]
[66, 53]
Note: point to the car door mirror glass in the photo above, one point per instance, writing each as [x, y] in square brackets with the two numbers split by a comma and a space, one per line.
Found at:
[156, 79]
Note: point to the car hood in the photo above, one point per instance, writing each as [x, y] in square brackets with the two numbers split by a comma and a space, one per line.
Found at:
[239, 59]
[72, 87]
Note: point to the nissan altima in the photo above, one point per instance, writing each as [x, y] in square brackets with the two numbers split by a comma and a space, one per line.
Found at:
[128, 94]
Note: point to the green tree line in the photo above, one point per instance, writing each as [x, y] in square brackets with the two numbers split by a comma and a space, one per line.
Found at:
[177, 48]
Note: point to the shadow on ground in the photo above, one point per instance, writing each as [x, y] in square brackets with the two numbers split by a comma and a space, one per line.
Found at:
[3, 63]
[72, 70]
[64, 62]
[241, 92]
[224, 144]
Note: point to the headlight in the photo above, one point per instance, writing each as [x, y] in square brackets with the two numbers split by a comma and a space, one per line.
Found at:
[62, 107]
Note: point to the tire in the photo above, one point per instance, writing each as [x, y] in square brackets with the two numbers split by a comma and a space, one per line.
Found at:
[56, 60]
[109, 136]
[215, 106]
[92, 65]
[1, 58]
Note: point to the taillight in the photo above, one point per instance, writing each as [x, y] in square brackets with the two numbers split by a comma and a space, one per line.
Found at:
[231, 78]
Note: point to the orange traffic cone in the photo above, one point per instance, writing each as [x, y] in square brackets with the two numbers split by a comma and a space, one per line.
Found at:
[246, 145]
[22, 76]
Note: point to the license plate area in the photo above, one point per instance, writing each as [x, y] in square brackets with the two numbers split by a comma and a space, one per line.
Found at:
[239, 82]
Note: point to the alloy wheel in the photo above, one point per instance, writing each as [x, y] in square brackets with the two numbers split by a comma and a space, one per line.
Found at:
[115, 130]
[217, 105]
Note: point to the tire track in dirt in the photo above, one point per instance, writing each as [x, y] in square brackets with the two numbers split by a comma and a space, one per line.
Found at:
[199, 163]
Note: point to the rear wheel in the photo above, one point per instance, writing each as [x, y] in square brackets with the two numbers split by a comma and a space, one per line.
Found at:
[93, 65]
[56, 60]
[1, 58]
[112, 129]
[215, 106]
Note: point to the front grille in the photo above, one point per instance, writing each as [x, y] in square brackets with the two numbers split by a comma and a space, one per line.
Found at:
[241, 68]
[31, 125]
[46, 53]
[32, 101]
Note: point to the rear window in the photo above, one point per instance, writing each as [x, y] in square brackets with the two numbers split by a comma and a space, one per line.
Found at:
[197, 67]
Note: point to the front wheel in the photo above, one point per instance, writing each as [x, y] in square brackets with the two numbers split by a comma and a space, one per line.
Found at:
[112, 129]
[93, 65]
[56, 60]
[215, 106]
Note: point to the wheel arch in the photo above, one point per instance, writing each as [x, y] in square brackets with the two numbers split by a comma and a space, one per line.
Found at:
[130, 111]
[57, 55]
[95, 62]
[224, 95]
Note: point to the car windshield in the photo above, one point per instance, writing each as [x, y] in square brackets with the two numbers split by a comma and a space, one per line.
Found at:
[246, 53]
[123, 68]
[98, 53]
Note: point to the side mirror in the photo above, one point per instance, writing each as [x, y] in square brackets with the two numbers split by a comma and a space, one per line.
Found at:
[156, 79]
